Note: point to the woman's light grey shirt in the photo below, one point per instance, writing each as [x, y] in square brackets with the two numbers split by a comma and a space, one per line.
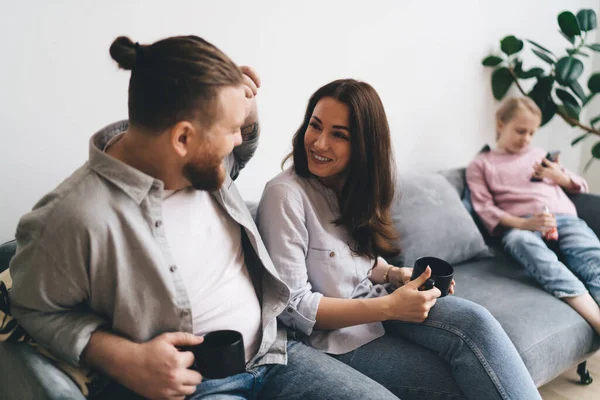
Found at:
[314, 259]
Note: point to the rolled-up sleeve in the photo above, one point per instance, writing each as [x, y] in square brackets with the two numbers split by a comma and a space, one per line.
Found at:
[241, 154]
[579, 184]
[49, 299]
[282, 225]
[481, 198]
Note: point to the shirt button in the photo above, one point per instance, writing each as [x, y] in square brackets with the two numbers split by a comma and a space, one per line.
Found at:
[173, 268]
[290, 310]
[332, 254]
[378, 290]
[184, 313]
[158, 224]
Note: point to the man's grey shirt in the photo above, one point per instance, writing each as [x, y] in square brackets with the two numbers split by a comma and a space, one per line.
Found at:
[93, 254]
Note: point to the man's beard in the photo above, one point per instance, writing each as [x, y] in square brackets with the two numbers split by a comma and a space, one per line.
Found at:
[205, 176]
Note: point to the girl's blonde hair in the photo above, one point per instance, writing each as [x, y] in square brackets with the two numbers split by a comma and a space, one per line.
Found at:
[510, 106]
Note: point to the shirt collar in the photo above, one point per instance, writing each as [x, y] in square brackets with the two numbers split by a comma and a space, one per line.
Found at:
[130, 180]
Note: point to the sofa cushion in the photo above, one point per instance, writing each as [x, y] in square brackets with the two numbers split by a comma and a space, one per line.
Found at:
[431, 221]
[549, 335]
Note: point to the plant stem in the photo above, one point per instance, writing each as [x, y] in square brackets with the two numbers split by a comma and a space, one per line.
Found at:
[512, 72]
[574, 122]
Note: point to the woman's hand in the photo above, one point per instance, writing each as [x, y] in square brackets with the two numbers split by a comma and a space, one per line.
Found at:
[408, 303]
[401, 276]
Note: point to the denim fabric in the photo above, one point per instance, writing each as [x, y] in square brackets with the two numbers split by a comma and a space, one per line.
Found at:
[309, 375]
[480, 361]
[26, 374]
[579, 247]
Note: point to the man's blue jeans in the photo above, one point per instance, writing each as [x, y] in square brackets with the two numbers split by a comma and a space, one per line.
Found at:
[309, 374]
[580, 249]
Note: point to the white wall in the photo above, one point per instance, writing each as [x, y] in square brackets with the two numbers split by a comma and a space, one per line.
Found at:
[59, 84]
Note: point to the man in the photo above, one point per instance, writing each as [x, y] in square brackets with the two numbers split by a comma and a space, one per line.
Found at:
[149, 245]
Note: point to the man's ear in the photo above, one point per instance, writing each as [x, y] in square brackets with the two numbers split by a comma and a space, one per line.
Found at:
[181, 135]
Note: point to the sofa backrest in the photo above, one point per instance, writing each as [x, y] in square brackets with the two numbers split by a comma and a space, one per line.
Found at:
[457, 178]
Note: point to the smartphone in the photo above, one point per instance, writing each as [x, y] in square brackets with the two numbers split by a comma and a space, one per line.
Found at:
[553, 155]
[550, 156]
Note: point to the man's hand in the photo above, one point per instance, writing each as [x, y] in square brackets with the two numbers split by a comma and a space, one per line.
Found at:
[251, 81]
[408, 303]
[551, 170]
[160, 370]
[155, 369]
[251, 85]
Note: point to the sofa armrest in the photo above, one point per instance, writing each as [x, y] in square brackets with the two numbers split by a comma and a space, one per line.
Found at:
[7, 251]
[588, 209]
[28, 375]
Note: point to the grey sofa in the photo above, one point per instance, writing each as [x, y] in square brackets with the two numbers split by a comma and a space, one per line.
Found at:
[548, 334]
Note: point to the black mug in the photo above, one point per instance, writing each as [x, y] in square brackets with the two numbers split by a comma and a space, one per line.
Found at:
[442, 273]
[220, 355]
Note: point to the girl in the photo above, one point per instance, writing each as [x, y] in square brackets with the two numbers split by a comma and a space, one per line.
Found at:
[511, 204]
[325, 222]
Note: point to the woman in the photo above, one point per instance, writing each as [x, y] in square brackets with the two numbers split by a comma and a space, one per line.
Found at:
[326, 224]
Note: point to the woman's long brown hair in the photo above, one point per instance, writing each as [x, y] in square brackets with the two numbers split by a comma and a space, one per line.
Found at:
[366, 197]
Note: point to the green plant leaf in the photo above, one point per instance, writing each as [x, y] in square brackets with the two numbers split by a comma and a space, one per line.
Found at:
[578, 90]
[568, 69]
[565, 109]
[574, 52]
[543, 87]
[539, 46]
[501, 81]
[511, 45]
[570, 104]
[491, 61]
[569, 38]
[579, 139]
[541, 95]
[593, 46]
[573, 112]
[568, 24]
[548, 111]
[532, 73]
[596, 150]
[543, 56]
[594, 120]
[587, 99]
[518, 67]
[587, 19]
[594, 83]
[566, 97]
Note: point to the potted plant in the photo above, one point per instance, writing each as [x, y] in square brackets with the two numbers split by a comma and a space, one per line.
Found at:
[557, 90]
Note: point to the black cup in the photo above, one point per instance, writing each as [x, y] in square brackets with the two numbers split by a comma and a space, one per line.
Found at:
[442, 273]
[220, 355]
